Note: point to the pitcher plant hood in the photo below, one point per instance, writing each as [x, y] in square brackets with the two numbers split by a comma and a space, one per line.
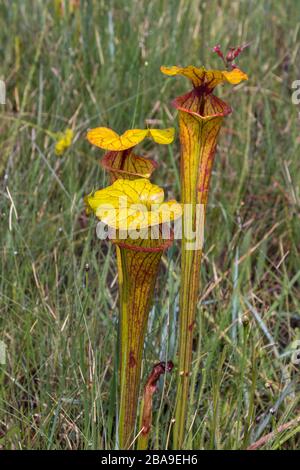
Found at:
[132, 204]
[120, 160]
[200, 102]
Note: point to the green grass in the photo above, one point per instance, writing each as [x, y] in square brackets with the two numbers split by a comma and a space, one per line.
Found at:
[100, 66]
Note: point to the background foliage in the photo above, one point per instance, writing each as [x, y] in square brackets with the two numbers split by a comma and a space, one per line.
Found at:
[99, 65]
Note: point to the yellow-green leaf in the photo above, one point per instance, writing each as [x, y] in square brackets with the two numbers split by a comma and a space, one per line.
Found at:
[132, 204]
[108, 139]
[209, 78]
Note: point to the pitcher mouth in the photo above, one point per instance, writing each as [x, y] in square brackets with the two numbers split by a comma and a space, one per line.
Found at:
[204, 106]
[144, 246]
[108, 164]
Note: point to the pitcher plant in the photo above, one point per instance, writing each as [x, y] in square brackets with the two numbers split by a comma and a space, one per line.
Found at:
[138, 217]
[200, 115]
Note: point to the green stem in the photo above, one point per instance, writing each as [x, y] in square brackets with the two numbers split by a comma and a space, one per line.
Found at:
[143, 439]
[137, 275]
[188, 303]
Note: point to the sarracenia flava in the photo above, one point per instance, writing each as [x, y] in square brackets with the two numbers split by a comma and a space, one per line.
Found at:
[127, 206]
[120, 160]
[120, 206]
[200, 118]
